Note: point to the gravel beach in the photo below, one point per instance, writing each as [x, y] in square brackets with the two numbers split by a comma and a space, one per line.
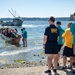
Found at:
[39, 70]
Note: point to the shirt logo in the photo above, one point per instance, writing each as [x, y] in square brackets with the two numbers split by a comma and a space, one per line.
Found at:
[53, 30]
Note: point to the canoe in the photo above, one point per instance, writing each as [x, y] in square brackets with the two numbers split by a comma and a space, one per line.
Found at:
[5, 38]
[13, 41]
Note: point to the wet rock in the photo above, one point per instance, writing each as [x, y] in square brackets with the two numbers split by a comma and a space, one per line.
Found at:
[1, 68]
[43, 58]
[38, 55]
[34, 55]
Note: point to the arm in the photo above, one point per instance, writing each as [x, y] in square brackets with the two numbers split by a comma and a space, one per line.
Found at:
[45, 36]
[64, 35]
[45, 39]
[72, 29]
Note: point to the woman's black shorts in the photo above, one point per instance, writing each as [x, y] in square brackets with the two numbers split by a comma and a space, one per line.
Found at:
[51, 48]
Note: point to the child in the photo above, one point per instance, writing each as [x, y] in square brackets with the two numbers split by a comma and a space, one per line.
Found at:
[60, 39]
[68, 47]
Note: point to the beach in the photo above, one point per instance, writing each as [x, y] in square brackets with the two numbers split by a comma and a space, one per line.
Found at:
[31, 69]
[22, 67]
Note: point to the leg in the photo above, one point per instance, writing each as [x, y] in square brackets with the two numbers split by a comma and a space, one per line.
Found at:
[74, 53]
[71, 61]
[26, 42]
[64, 60]
[74, 59]
[49, 60]
[64, 63]
[59, 48]
[58, 57]
[55, 61]
[23, 40]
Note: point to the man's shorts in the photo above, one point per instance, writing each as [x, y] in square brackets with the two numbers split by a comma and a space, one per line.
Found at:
[73, 50]
[67, 51]
[51, 48]
[59, 48]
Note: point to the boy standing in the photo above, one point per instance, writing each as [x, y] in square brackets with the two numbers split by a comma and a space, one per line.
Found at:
[60, 39]
[24, 35]
[68, 47]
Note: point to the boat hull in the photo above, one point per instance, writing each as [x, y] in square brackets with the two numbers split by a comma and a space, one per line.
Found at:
[15, 22]
[14, 41]
[5, 38]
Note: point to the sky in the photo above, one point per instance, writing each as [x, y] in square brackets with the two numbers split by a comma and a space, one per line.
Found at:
[37, 8]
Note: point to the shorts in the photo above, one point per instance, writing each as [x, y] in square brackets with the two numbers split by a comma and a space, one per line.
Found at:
[72, 53]
[67, 51]
[51, 48]
[74, 49]
[59, 48]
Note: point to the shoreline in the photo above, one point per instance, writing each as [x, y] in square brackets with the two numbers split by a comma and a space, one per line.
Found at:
[35, 70]
[22, 67]
[23, 64]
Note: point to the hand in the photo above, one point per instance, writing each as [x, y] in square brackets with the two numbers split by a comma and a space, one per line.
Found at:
[43, 46]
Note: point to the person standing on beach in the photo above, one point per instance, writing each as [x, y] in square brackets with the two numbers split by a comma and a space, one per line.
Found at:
[24, 35]
[72, 30]
[60, 39]
[51, 44]
[68, 37]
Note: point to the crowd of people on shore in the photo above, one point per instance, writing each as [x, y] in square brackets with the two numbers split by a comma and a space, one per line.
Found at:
[14, 35]
[54, 38]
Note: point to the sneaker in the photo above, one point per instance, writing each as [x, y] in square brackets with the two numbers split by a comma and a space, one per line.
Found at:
[23, 45]
[73, 71]
[70, 67]
[48, 71]
[62, 68]
[55, 71]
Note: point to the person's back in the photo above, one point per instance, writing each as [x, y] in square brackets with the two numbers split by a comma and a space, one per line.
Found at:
[68, 47]
[16, 31]
[24, 34]
[51, 44]
[60, 39]
[52, 33]
[68, 38]
[73, 31]
[61, 31]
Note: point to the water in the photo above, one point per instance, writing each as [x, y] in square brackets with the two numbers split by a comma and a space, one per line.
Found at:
[35, 30]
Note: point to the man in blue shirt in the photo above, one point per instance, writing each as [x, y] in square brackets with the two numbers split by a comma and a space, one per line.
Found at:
[51, 44]
[72, 30]
[24, 35]
[60, 39]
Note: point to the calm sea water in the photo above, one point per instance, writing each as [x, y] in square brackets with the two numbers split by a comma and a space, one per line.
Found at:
[35, 30]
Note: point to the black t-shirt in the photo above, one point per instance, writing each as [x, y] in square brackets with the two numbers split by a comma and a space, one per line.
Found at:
[52, 33]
